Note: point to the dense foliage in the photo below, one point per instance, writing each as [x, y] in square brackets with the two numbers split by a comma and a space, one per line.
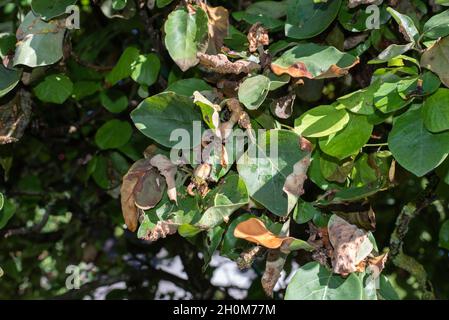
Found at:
[297, 137]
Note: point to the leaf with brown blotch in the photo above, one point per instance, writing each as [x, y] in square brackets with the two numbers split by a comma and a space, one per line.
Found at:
[363, 219]
[254, 230]
[142, 187]
[220, 63]
[351, 245]
[294, 182]
[168, 170]
[435, 59]
[313, 61]
[162, 230]
[273, 268]
[257, 37]
[14, 117]
[218, 26]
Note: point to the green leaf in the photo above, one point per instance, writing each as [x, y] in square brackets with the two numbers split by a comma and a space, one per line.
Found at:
[6, 212]
[39, 43]
[315, 282]
[253, 91]
[444, 235]
[386, 290]
[48, 9]
[186, 34]
[56, 88]
[407, 25]
[145, 69]
[304, 212]
[265, 174]
[9, 78]
[119, 4]
[186, 87]
[211, 243]
[321, 121]
[416, 149]
[114, 101]
[306, 18]
[436, 111]
[360, 101]
[158, 116]
[163, 3]
[313, 61]
[264, 19]
[113, 134]
[226, 198]
[7, 44]
[348, 141]
[392, 51]
[437, 26]
[387, 98]
[83, 89]
[123, 68]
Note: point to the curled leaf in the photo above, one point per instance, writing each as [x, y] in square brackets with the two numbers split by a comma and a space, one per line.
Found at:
[168, 170]
[141, 188]
[377, 264]
[355, 3]
[254, 230]
[220, 63]
[351, 245]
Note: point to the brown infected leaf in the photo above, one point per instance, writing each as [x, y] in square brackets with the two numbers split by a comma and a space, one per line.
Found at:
[283, 107]
[273, 268]
[347, 240]
[247, 257]
[377, 264]
[255, 231]
[299, 70]
[218, 26]
[15, 117]
[220, 63]
[257, 37]
[162, 230]
[294, 182]
[435, 59]
[168, 170]
[142, 188]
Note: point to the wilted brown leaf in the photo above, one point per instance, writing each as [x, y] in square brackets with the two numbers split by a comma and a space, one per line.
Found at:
[14, 117]
[377, 264]
[162, 230]
[254, 230]
[142, 188]
[220, 63]
[351, 245]
[273, 268]
[218, 26]
[168, 170]
[294, 182]
[435, 59]
[363, 219]
[257, 36]
[283, 107]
